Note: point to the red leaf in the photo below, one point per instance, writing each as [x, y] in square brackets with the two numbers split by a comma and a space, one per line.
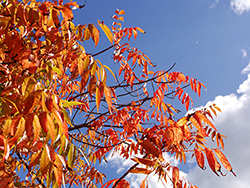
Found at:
[150, 148]
[49, 103]
[29, 104]
[43, 121]
[123, 184]
[187, 102]
[28, 125]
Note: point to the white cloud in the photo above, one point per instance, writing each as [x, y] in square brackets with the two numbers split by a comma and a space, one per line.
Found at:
[246, 69]
[214, 4]
[120, 166]
[234, 122]
[244, 53]
[240, 6]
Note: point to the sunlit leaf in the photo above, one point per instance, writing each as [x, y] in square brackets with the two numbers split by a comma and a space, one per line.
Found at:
[224, 160]
[107, 31]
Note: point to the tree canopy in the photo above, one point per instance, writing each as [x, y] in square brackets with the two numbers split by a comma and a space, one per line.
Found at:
[48, 80]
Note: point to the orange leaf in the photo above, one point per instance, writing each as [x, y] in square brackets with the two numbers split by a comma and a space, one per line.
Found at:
[140, 171]
[134, 32]
[108, 97]
[121, 12]
[144, 184]
[139, 29]
[98, 98]
[36, 127]
[20, 130]
[123, 184]
[61, 121]
[206, 120]
[199, 158]
[51, 127]
[146, 162]
[224, 160]
[67, 13]
[150, 148]
[175, 176]
[198, 126]
[187, 102]
[107, 184]
[199, 89]
[94, 33]
[5, 146]
[58, 168]
[44, 162]
[213, 163]
[35, 157]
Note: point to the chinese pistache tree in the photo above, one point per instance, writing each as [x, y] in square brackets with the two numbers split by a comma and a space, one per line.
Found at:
[48, 80]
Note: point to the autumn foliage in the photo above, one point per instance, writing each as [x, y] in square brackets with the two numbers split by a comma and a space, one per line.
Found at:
[49, 83]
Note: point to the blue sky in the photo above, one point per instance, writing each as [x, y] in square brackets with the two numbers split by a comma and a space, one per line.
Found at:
[209, 40]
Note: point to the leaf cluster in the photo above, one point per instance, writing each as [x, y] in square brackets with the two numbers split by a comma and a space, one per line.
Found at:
[48, 82]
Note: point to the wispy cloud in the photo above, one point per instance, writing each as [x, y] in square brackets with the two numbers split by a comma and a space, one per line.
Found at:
[244, 53]
[234, 122]
[240, 6]
[214, 4]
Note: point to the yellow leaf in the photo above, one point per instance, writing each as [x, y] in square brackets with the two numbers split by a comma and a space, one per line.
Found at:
[35, 158]
[182, 121]
[107, 31]
[44, 162]
[51, 127]
[7, 126]
[139, 29]
[98, 98]
[37, 128]
[110, 71]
